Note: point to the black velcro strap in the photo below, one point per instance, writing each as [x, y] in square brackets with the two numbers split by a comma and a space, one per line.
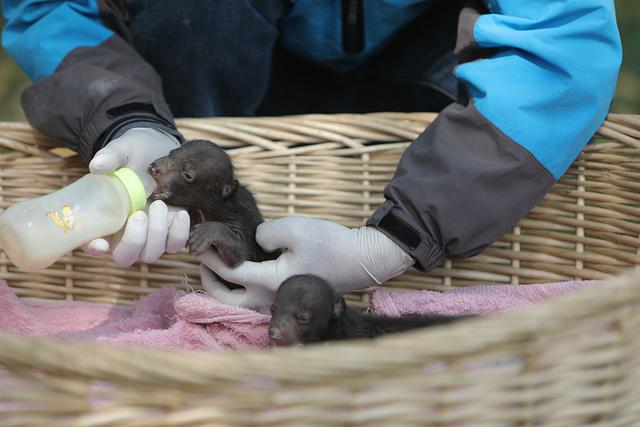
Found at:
[132, 107]
[400, 230]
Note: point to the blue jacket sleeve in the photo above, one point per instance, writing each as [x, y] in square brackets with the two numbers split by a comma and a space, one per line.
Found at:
[540, 77]
[39, 35]
[89, 84]
[550, 86]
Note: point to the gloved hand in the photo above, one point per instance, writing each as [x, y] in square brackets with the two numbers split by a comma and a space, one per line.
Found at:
[349, 259]
[164, 228]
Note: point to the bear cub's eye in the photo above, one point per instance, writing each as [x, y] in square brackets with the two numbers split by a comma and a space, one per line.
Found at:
[303, 318]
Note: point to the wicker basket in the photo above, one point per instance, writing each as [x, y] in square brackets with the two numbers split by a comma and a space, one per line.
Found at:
[571, 362]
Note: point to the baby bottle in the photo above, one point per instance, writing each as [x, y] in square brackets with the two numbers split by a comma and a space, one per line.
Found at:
[37, 232]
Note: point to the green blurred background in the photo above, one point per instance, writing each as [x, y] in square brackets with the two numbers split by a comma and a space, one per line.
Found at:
[627, 99]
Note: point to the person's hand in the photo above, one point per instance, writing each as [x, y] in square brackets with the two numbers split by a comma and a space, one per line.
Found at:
[348, 258]
[160, 228]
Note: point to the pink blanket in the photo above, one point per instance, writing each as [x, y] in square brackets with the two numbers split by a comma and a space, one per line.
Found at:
[469, 300]
[165, 318]
[171, 319]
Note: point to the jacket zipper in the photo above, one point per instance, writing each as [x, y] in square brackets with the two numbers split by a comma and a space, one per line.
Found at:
[352, 26]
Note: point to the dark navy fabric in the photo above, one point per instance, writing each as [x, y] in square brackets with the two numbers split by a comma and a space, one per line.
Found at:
[40, 34]
[313, 29]
[218, 59]
[550, 85]
[214, 57]
[413, 72]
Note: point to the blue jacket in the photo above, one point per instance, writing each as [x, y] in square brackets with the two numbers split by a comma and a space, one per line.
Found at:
[540, 75]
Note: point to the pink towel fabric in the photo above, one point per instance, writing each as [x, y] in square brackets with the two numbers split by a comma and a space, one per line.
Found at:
[470, 300]
[164, 319]
[171, 319]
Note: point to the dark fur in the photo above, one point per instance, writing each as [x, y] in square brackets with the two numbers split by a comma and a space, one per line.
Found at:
[307, 309]
[199, 177]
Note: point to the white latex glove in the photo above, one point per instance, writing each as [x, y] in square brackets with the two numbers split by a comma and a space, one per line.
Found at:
[160, 228]
[348, 258]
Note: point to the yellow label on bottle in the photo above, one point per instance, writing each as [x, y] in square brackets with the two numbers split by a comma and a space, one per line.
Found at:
[65, 221]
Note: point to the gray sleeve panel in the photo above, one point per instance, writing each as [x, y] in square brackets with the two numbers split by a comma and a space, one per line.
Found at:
[467, 48]
[466, 22]
[458, 188]
[95, 94]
